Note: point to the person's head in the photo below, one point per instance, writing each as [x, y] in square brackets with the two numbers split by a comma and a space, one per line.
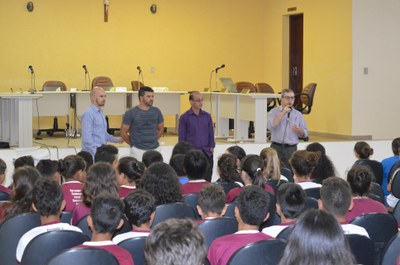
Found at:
[152, 156]
[360, 177]
[227, 168]
[325, 167]
[238, 152]
[272, 165]
[195, 163]
[363, 150]
[181, 148]
[49, 169]
[47, 198]
[316, 147]
[287, 97]
[317, 238]
[107, 153]
[3, 170]
[100, 180]
[129, 171]
[106, 215]
[252, 170]
[139, 208]
[175, 242]
[146, 96]
[87, 157]
[24, 161]
[196, 100]
[253, 206]
[291, 200]
[303, 163]
[176, 162]
[98, 96]
[211, 202]
[73, 167]
[161, 181]
[396, 146]
[336, 197]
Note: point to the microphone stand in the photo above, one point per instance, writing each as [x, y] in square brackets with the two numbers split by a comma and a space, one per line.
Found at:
[33, 81]
[87, 80]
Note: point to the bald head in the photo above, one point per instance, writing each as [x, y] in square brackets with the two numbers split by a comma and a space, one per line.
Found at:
[98, 96]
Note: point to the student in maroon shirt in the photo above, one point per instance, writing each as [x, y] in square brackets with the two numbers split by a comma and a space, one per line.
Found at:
[129, 174]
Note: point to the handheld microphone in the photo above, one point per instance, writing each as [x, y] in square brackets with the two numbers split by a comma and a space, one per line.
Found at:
[85, 68]
[219, 67]
[30, 69]
[140, 70]
[288, 115]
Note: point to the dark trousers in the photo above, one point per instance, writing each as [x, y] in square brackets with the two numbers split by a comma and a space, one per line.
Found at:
[209, 172]
[284, 153]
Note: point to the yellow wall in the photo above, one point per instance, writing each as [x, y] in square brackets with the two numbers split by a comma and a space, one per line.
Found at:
[327, 58]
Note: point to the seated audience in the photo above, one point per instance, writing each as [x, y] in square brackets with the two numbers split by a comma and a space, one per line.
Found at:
[100, 180]
[317, 239]
[388, 163]
[129, 174]
[252, 210]
[229, 177]
[175, 242]
[195, 164]
[181, 148]
[360, 177]
[176, 162]
[363, 151]
[291, 200]
[24, 179]
[87, 157]
[303, 164]
[162, 182]
[104, 219]
[211, 202]
[336, 199]
[139, 208]
[47, 201]
[238, 152]
[24, 161]
[107, 153]
[49, 169]
[151, 156]
[272, 169]
[73, 169]
[3, 173]
[325, 168]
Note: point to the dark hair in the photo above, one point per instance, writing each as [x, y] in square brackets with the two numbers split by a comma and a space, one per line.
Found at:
[363, 150]
[292, 199]
[181, 148]
[237, 151]
[195, 163]
[100, 180]
[176, 162]
[151, 156]
[317, 238]
[336, 196]
[162, 182]
[192, 93]
[324, 167]
[139, 206]
[132, 168]
[143, 91]
[303, 162]
[47, 196]
[47, 168]
[3, 166]
[360, 178]
[70, 165]
[227, 168]
[106, 213]
[254, 204]
[253, 166]
[24, 179]
[175, 242]
[106, 153]
[211, 199]
[24, 161]
[87, 157]
[396, 146]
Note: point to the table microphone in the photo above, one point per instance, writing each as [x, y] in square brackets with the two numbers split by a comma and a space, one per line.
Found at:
[219, 67]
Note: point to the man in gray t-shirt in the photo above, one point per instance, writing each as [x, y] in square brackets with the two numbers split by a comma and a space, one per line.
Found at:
[143, 125]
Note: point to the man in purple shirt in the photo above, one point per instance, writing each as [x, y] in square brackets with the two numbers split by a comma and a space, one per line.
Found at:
[286, 125]
[196, 128]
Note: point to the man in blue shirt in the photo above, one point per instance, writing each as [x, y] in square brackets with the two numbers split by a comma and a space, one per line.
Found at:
[94, 125]
[196, 127]
[286, 125]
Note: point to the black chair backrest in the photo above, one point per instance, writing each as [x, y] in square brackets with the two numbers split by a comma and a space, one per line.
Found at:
[273, 219]
[313, 192]
[4, 196]
[376, 168]
[265, 252]
[393, 169]
[135, 246]
[83, 225]
[227, 186]
[11, 230]
[362, 248]
[66, 217]
[191, 200]
[214, 228]
[391, 253]
[84, 256]
[48, 245]
[287, 173]
[396, 184]
[173, 210]
[126, 227]
[396, 213]
[230, 210]
[376, 193]
[285, 233]
[311, 203]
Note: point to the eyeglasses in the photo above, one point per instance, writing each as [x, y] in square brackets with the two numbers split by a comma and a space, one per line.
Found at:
[289, 98]
[197, 100]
